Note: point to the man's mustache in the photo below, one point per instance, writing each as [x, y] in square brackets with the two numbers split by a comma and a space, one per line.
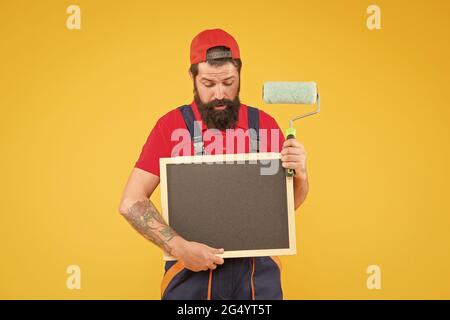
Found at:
[219, 102]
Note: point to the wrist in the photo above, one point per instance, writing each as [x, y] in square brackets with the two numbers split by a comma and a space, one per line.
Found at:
[301, 174]
[176, 244]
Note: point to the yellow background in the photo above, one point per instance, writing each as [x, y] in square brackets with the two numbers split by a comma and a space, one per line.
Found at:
[77, 106]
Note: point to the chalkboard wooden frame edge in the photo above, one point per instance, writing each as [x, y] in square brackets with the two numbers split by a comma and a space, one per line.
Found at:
[233, 157]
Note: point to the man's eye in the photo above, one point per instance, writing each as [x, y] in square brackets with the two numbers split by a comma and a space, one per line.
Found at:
[228, 83]
[209, 85]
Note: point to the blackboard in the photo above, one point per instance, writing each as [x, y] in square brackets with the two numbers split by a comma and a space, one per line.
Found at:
[240, 202]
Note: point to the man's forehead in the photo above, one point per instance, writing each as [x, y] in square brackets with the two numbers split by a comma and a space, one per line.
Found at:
[219, 73]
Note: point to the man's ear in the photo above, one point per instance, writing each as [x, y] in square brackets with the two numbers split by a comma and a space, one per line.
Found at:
[191, 75]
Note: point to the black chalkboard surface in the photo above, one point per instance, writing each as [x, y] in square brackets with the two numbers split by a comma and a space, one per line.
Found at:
[242, 203]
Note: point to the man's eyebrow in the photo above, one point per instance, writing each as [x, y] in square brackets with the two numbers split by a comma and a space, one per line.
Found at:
[212, 80]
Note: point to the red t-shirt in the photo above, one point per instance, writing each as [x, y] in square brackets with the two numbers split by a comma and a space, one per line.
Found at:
[164, 138]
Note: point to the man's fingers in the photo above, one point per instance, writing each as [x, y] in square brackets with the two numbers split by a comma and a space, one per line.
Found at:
[218, 260]
[217, 251]
[291, 158]
[291, 143]
[289, 165]
[213, 266]
[291, 150]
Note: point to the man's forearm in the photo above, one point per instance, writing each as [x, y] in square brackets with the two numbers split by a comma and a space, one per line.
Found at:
[300, 188]
[145, 218]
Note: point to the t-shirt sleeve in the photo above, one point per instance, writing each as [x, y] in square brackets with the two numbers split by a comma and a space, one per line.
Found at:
[153, 149]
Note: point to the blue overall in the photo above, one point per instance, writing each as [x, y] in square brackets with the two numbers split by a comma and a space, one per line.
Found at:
[253, 278]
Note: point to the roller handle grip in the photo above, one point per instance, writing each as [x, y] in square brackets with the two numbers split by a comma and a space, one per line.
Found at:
[290, 135]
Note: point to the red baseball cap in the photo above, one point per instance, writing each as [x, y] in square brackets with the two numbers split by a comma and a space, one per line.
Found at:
[209, 39]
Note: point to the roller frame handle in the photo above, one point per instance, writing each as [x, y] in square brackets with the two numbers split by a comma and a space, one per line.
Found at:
[290, 134]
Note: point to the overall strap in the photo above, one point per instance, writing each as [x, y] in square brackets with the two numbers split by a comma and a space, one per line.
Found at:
[253, 127]
[194, 128]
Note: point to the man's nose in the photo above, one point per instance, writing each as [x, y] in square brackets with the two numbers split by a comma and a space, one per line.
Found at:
[219, 92]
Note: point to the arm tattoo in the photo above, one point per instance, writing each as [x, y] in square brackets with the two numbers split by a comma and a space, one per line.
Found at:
[145, 218]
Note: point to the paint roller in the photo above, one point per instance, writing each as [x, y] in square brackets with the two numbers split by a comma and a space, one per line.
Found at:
[292, 93]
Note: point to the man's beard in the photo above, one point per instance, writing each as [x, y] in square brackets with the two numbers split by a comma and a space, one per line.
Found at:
[218, 119]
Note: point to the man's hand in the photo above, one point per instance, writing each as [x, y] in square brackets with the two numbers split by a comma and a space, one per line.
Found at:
[293, 156]
[195, 256]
